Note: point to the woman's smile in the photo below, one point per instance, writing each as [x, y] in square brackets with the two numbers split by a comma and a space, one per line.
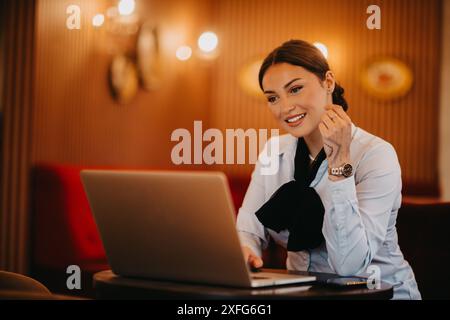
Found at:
[295, 120]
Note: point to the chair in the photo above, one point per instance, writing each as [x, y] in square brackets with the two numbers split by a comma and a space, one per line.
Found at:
[17, 286]
[424, 238]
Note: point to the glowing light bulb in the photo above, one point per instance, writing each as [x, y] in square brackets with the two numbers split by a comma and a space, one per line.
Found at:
[208, 41]
[184, 53]
[126, 7]
[98, 20]
[322, 48]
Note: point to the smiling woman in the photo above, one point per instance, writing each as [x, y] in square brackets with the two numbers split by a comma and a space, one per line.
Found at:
[303, 75]
[333, 202]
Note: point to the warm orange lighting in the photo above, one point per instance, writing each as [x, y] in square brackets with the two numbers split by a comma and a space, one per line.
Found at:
[323, 48]
[207, 42]
[126, 7]
[98, 20]
[184, 53]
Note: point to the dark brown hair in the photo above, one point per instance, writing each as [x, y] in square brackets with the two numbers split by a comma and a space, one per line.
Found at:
[303, 54]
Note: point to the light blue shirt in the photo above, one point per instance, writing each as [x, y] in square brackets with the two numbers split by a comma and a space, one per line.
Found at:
[359, 219]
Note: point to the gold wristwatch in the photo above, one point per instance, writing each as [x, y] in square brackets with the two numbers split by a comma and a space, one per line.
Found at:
[345, 170]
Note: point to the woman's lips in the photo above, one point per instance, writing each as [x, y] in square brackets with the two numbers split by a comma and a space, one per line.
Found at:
[296, 120]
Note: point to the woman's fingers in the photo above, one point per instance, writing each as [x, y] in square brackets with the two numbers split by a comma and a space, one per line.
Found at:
[252, 259]
[340, 112]
[326, 120]
[255, 261]
[322, 129]
[334, 117]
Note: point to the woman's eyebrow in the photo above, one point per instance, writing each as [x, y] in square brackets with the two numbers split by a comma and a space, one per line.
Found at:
[285, 86]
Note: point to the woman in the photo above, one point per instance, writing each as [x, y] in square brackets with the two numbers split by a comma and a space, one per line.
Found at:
[357, 180]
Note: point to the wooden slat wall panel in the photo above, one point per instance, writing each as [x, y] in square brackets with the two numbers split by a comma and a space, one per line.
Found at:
[56, 96]
[444, 144]
[410, 31]
[18, 25]
[76, 120]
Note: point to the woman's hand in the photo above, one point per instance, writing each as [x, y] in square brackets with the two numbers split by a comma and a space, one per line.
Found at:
[336, 130]
[251, 258]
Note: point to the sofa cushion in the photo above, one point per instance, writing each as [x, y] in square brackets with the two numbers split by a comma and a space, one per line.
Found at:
[64, 230]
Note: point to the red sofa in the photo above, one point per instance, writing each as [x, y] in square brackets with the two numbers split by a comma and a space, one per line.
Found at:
[64, 231]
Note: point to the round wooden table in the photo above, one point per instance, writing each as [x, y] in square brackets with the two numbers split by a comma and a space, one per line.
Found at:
[111, 286]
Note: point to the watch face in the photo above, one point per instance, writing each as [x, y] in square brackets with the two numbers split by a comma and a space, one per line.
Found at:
[347, 170]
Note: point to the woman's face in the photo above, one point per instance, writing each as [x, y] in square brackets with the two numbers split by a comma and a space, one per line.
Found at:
[297, 97]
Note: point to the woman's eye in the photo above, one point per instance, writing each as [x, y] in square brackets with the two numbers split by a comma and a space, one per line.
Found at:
[271, 99]
[296, 89]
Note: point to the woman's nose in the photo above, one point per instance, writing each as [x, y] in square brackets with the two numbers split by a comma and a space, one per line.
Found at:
[286, 106]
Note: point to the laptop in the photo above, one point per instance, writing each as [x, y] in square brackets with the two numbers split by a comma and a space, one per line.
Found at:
[172, 225]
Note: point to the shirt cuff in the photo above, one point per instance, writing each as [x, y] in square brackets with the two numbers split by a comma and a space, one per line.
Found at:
[343, 190]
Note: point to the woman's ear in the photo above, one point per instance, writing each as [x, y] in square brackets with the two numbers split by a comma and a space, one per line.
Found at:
[329, 81]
